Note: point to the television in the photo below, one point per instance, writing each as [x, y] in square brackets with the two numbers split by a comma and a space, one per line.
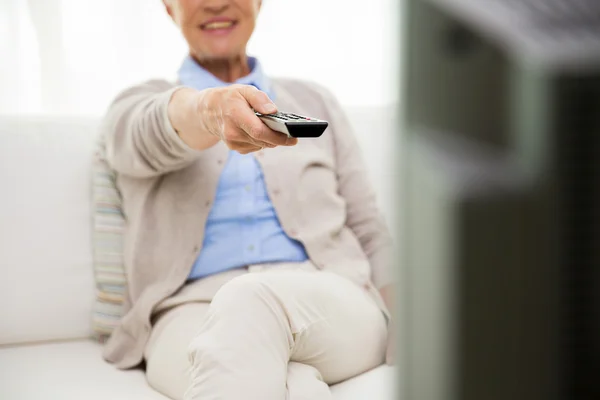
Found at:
[500, 200]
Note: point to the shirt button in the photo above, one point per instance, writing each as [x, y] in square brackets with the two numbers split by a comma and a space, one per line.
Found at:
[251, 247]
[207, 204]
[219, 162]
[196, 248]
[248, 188]
[276, 192]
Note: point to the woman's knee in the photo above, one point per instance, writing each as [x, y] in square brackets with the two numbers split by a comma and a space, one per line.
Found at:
[306, 383]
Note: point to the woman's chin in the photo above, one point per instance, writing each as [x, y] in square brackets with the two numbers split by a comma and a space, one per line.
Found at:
[222, 54]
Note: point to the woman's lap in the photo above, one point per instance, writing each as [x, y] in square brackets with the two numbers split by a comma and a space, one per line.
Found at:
[320, 319]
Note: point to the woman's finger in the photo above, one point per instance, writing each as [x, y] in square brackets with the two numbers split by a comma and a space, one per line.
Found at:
[243, 147]
[238, 136]
[257, 100]
[259, 132]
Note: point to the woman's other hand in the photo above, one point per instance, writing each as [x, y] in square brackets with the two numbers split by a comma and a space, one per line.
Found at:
[202, 118]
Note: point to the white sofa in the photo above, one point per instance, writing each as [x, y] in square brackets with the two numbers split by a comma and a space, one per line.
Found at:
[47, 288]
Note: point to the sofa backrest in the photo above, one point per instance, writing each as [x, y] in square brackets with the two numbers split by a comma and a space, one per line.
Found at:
[47, 285]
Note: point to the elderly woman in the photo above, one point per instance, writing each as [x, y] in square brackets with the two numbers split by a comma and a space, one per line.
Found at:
[258, 264]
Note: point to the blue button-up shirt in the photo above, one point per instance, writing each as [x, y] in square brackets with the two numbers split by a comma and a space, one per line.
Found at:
[242, 227]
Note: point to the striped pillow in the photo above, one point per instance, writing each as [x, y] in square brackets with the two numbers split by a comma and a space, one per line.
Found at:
[109, 269]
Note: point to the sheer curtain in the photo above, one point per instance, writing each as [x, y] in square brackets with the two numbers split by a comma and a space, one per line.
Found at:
[73, 56]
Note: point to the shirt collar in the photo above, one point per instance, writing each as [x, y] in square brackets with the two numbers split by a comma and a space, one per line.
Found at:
[193, 75]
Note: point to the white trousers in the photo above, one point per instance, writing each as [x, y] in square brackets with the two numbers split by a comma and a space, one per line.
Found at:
[273, 335]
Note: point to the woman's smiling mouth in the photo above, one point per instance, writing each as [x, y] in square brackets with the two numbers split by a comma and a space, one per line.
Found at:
[217, 25]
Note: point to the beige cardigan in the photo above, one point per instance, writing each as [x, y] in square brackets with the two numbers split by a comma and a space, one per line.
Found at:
[319, 188]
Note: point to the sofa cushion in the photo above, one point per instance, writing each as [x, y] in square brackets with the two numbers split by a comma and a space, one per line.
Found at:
[108, 223]
[75, 371]
[47, 287]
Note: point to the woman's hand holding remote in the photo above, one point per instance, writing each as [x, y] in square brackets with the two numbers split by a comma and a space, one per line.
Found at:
[202, 118]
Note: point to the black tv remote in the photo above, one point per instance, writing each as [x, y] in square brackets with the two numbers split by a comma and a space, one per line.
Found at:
[294, 125]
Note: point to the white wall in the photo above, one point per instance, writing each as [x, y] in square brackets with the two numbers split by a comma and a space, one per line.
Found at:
[72, 56]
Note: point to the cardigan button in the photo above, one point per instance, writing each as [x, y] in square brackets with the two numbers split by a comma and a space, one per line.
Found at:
[276, 192]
